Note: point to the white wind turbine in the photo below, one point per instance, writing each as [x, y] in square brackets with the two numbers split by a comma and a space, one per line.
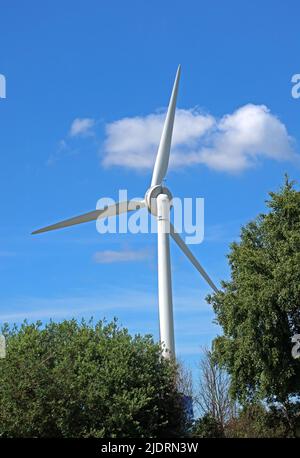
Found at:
[158, 202]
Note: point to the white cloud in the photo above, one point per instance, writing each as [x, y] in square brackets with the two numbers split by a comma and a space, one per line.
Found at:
[132, 142]
[233, 143]
[82, 127]
[242, 137]
[110, 256]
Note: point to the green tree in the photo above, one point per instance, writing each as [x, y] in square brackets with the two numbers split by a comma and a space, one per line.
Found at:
[207, 426]
[73, 379]
[257, 421]
[259, 308]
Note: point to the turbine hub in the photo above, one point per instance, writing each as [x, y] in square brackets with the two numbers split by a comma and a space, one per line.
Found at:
[151, 196]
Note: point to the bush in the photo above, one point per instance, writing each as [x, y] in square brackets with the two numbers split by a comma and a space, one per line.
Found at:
[83, 380]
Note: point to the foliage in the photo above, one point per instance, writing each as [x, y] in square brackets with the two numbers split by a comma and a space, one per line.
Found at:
[257, 421]
[74, 379]
[252, 421]
[208, 427]
[259, 308]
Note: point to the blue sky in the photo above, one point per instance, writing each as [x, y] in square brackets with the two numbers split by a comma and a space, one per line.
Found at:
[115, 61]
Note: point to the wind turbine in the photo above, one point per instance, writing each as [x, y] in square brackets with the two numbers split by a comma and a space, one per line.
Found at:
[158, 202]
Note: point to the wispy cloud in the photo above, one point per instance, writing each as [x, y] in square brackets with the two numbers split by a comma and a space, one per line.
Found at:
[113, 299]
[111, 256]
[35, 308]
[62, 150]
[82, 127]
[233, 143]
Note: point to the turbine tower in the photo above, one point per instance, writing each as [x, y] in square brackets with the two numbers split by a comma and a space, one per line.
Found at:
[158, 201]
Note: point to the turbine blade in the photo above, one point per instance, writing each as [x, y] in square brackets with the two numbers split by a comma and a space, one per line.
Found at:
[111, 210]
[191, 257]
[163, 153]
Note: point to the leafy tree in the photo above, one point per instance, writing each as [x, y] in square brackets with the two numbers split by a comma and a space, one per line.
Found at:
[259, 308]
[208, 427]
[257, 421]
[83, 380]
[252, 421]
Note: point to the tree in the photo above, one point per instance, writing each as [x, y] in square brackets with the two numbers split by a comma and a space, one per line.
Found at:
[74, 379]
[259, 308]
[257, 421]
[207, 427]
[213, 396]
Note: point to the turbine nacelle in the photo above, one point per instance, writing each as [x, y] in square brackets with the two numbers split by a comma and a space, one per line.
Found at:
[151, 197]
